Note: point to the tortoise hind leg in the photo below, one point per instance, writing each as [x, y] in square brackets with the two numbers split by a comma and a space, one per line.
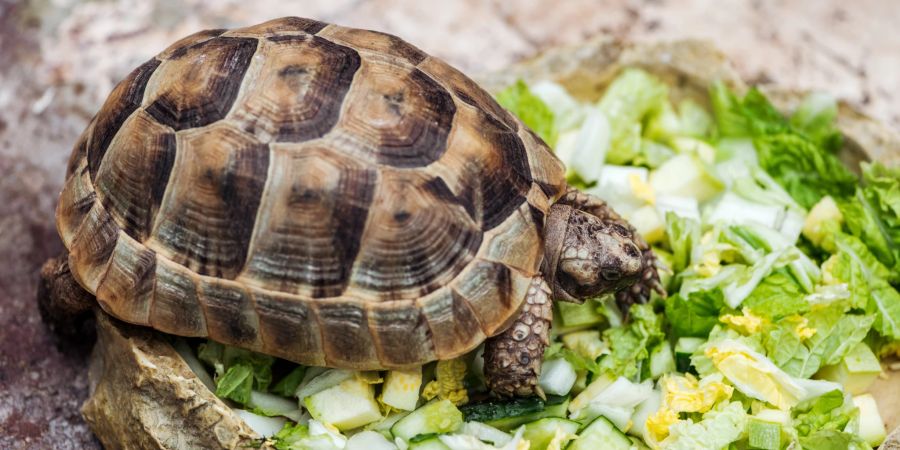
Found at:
[512, 359]
[64, 305]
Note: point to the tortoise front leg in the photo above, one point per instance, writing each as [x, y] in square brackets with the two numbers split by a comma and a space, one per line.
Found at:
[640, 291]
[512, 359]
[63, 303]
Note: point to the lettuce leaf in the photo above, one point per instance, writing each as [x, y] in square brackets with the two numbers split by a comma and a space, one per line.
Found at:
[533, 112]
[718, 428]
[630, 98]
[629, 343]
[750, 116]
[777, 296]
[695, 315]
[867, 280]
[873, 215]
[236, 383]
[807, 172]
[829, 411]
[815, 118]
[682, 234]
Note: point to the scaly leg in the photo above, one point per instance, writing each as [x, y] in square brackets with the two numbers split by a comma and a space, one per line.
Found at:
[512, 359]
[63, 303]
[640, 291]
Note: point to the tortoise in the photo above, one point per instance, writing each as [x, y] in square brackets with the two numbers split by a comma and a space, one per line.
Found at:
[334, 197]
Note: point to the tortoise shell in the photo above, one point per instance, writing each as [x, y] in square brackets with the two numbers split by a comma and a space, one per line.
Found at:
[328, 195]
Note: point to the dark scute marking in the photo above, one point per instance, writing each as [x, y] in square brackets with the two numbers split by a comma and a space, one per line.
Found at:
[78, 153]
[504, 284]
[317, 211]
[301, 117]
[287, 324]
[208, 227]
[175, 307]
[83, 206]
[488, 105]
[227, 310]
[429, 141]
[102, 238]
[403, 334]
[538, 217]
[549, 190]
[438, 187]
[504, 188]
[149, 185]
[287, 24]
[403, 49]
[211, 100]
[181, 50]
[345, 332]
[125, 98]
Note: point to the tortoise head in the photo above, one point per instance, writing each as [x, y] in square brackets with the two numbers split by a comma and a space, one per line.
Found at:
[595, 257]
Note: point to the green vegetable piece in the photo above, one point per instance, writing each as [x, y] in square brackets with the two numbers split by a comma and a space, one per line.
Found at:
[751, 116]
[684, 348]
[583, 315]
[507, 415]
[777, 296]
[629, 344]
[540, 432]
[519, 100]
[432, 442]
[287, 386]
[436, 417]
[815, 117]
[236, 384]
[764, 435]
[695, 315]
[856, 371]
[631, 97]
[662, 361]
[601, 433]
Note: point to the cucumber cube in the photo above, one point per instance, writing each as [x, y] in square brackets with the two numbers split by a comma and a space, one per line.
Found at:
[541, 432]
[764, 435]
[684, 348]
[661, 360]
[856, 371]
[583, 315]
[348, 405]
[436, 417]
[401, 388]
[871, 426]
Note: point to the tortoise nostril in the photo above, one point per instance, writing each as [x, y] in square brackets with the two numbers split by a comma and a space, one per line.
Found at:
[632, 250]
[610, 275]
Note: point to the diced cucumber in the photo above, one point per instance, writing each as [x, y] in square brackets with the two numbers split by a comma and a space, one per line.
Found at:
[436, 417]
[432, 443]
[581, 382]
[601, 434]
[684, 348]
[540, 432]
[384, 426]
[764, 435]
[701, 149]
[557, 377]
[348, 405]
[594, 389]
[369, 440]
[583, 315]
[778, 416]
[857, 371]
[586, 343]
[871, 427]
[506, 415]
[686, 175]
[486, 433]
[401, 388]
[661, 360]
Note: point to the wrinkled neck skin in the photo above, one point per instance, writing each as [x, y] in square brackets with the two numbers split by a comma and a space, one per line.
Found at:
[585, 257]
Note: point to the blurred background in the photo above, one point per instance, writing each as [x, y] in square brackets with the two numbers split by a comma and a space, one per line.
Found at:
[60, 58]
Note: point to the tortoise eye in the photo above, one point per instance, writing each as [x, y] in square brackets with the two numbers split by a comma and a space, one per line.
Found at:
[610, 275]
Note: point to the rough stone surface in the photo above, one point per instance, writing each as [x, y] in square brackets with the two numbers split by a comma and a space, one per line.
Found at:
[145, 397]
[60, 58]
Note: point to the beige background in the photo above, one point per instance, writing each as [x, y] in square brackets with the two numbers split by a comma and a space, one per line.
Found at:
[59, 59]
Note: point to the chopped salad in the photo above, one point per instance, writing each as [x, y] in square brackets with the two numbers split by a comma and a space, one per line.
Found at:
[782, 268]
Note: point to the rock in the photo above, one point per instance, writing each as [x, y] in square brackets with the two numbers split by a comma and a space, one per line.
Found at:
[144, 396]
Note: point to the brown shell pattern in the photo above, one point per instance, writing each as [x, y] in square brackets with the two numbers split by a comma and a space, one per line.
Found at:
[328, 195]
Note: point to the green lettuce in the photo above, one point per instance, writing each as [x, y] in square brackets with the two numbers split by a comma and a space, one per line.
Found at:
[682, 234]
[719, 427]
[806, 171]
[632, 96]
[827, 422]
[815, 117]
[867, 279]
[238, 371]
[533, 112]
[777, 296]
[629, 343]
[873, 215]
[287, 386]
[696, 314]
